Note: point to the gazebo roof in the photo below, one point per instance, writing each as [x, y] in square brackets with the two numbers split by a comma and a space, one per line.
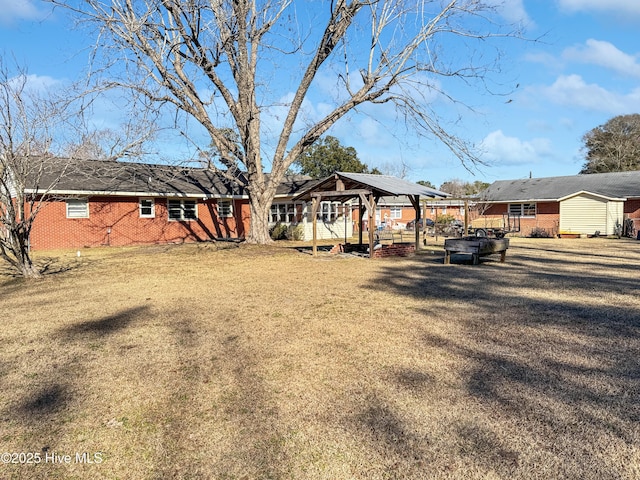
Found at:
[379, 185]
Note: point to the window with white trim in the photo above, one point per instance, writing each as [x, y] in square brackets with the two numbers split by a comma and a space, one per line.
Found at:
[147, 208]
[522, 209]
[77, 208]
[182, 210]
[225, 208]
[328, 211]
[283, 213]
[395, 212]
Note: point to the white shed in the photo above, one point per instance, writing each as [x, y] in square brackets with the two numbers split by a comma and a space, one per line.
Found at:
[587, 213]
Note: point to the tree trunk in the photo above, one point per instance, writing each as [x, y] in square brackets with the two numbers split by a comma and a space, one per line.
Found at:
[259, 206]
[25, 264]
[28, 270]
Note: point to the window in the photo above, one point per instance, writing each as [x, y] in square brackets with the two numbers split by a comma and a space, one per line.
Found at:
[396, 212]
[522, 209]
[225, 208]
[147, 208]
[328, 211]
[77, 208]
[182, 209]
[283, 213]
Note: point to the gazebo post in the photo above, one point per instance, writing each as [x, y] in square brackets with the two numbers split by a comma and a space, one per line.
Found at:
[360, 217]
[372, 223]
[315, 203]
[415, 201]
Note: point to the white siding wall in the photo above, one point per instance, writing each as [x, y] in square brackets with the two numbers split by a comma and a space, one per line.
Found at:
[615, 215]
[329, 230]
[585, 214]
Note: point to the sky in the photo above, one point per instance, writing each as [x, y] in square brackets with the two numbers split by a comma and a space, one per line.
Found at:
[578, 67]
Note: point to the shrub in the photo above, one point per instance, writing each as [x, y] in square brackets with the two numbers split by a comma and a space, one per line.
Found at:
[286, 232]
[295, 232]
[540, 232]
[278, 231]
[446, 219]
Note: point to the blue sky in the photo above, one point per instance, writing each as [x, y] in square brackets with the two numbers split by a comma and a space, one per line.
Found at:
[582, 71]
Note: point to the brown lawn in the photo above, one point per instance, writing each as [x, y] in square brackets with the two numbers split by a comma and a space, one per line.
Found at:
[217, 362]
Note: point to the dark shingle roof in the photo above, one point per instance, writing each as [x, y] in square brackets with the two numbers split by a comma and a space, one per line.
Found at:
[112, 177]
[610, 185]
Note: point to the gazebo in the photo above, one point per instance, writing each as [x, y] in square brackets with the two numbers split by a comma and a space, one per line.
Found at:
[368, 189]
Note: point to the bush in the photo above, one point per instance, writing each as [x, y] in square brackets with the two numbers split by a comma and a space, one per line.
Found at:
[278, 231]
[286, 232]
[445, 219]
[295, 232]
[540, 232]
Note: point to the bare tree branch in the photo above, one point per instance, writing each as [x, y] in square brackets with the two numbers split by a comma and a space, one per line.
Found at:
[212, 60]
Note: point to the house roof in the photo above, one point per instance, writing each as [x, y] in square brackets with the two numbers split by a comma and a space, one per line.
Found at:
[380, 185]
[293, 184]
[619, 185]
[74, 176]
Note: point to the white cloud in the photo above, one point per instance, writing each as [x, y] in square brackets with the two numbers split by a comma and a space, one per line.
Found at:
[573, 91]
[604, 54]
[13, 10]
[499, 149]
[513, 11]
[618, 7]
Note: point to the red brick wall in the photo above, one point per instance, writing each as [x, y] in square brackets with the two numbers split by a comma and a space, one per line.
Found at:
[547, 217]
[409, 214]
[632, 210]
[52, 229]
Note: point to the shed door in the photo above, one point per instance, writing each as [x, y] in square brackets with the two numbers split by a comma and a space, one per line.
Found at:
[584, 214]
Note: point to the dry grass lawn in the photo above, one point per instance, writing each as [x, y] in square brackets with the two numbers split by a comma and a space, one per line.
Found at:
[222, 362]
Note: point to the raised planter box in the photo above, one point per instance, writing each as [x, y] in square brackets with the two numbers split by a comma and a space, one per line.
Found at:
[400, 249]
[476, 246]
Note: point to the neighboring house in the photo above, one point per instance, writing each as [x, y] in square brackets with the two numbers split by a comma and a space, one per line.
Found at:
[397, 212]
[580, 204]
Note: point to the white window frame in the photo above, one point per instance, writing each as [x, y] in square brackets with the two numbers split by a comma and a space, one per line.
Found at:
[141, 206]
[79, 207]
[328, 211]
[182, 202]
[395, 212]
[523, 209]
[283, 213]
[225, 208]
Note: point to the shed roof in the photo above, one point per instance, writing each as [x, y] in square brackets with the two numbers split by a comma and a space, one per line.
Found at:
[618, 185]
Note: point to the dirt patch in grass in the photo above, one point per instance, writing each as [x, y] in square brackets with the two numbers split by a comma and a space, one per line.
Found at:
[232, 362]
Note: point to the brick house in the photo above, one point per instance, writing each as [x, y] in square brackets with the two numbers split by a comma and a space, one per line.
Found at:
[579, 204]
[92, 203]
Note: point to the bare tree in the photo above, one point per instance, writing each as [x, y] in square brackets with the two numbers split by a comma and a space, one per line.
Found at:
[26, 123]
[215, 61]
[33, 123]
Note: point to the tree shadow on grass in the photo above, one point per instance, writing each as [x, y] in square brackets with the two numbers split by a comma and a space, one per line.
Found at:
[105, 325]
[40, 408]
[546, 353]
[218, 387]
